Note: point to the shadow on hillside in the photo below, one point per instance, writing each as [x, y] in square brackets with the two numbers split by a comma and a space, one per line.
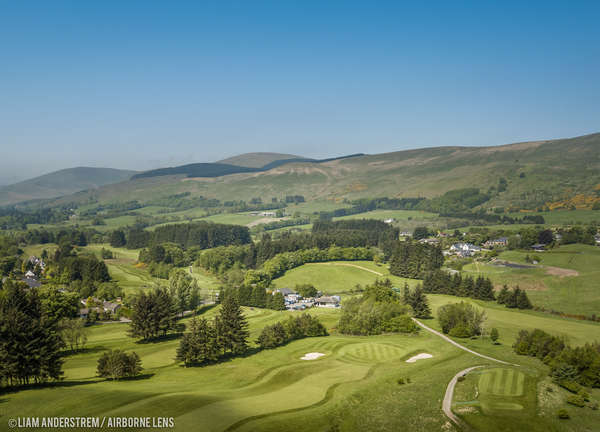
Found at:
[56, 384]
[205, 308]
[226, 358]
[91, 350]
[137, 377]
[165, 338]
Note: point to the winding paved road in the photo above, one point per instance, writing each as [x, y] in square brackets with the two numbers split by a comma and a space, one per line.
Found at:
[447, 402]
[456, 344]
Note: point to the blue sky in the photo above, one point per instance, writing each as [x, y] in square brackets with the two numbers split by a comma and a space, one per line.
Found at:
[141, 84]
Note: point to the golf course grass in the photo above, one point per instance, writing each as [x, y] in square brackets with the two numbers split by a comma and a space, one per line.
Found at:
[339, 276]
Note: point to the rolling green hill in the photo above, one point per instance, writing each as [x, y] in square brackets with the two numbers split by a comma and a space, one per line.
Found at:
[63, 182]
[535, 173]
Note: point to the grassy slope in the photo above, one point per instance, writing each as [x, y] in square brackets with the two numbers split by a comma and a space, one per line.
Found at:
[61, 182]
[509, 322]
[570, 294]
[132, 277]
[338, 276]
[354, 386]
[554, 167]
[257, 160]
[216, 397]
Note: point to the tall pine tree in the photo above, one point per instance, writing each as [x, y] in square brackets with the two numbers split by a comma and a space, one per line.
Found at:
[232, 327]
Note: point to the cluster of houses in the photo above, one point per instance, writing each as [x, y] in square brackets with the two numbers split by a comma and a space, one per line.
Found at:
[294, 301]
[464, 249]
[99, 306]
[36, 267]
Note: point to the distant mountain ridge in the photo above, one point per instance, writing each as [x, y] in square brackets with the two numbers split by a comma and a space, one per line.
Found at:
[524, 175]
[62, 182]
[207, 170]
[257, 159]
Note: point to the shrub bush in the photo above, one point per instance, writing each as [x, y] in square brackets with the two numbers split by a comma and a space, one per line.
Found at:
[563, 414]
[576, 400]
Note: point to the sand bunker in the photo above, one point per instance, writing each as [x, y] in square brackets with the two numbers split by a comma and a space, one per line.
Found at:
[312, 356]
[418, 357]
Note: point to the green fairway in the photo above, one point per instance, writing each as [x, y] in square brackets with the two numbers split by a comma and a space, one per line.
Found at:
[252, 393]
[338, 276]
[510, 321]
[354, 386]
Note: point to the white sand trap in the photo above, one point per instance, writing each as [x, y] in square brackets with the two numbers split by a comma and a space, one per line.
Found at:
[418, 357]
[312, 356]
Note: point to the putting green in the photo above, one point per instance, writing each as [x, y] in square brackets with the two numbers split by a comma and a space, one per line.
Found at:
[502, 382]
[371, 352]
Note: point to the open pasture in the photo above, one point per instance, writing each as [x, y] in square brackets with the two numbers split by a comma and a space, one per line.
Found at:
[566, 279]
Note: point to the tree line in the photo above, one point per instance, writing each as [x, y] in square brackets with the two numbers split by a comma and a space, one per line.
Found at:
[30, 342]
[413, 260]
[441, 282]
[293, 328]
[570, 367]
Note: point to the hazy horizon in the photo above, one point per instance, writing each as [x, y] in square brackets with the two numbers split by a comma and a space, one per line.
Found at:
[140, 86]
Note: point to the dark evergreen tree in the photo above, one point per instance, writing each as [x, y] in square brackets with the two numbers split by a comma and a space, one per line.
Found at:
[232, 327]
[277, 302]
[117, 238]
[512, 299]
[245, 295]
[523, 301]
[199, 345]
[419, 303]
[30, 343]
[503, 295]
[259, 296]
[152, 314]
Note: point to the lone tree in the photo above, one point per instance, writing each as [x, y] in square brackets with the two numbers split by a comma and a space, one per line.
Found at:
[232, 327]
[117, 364]
[494, 335]
[419, 303]
[73, 333]
[184, 291]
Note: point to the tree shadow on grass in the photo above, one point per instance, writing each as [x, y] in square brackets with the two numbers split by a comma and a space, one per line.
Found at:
[165, 338]
[54, 384]
[137, 377]
[205, 308]
[91, 350]
[225, 358]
